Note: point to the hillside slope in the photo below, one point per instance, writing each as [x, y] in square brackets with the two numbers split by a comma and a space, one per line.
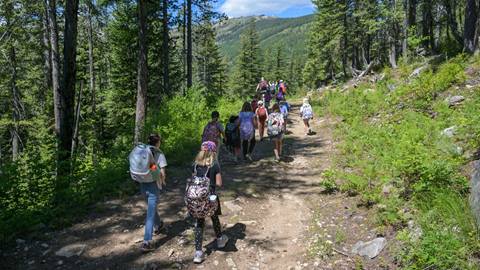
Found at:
[406, 140]
[289, 32]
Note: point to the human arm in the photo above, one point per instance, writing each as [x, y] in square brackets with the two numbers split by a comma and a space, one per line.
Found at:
[218, 179]
[162, 164]
[221, 129]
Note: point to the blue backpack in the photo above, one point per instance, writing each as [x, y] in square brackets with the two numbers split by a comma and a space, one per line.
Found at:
[284, 109]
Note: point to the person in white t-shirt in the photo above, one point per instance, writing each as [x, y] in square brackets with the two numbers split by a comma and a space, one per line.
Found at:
[151, 191]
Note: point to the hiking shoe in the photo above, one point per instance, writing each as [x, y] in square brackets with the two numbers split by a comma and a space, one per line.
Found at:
[147, 246]
[158, 228]
[199, 257]
[222, 241]
[249, 157]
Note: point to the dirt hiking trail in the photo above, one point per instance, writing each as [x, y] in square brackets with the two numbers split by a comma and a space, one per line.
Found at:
[275, 215]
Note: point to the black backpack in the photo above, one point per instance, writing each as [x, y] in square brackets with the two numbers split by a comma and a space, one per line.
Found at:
[231, 132]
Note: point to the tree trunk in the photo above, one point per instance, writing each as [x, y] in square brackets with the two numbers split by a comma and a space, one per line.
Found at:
[142, 73]
[184, 46]
[52, 18]
[345, 41]
[17, 106]
[392, 39]
[410, 20]
[91, 70]
[189, 43]
[477, 37]
[77, 121]
[392, 56]
[47, 56]
[471, 18]
[67, 93]
[165, 48]
[427, 25]
[452, 22]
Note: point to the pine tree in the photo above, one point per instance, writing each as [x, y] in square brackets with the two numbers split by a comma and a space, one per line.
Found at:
[210, 67]
[324, 43]
[248, 64]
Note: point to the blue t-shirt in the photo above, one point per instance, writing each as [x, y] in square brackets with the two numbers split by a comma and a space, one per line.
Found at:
[246, 125]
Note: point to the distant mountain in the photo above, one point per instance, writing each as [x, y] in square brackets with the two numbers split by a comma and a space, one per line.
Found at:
[291, 33]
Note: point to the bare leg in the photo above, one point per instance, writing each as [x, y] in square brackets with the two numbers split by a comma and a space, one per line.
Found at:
[280, 147]
[306, 125]
[276, 150]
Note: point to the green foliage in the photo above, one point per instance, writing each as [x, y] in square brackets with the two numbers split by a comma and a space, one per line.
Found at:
[328, 181]
[389, 138]
[449, 236]
[248, 70]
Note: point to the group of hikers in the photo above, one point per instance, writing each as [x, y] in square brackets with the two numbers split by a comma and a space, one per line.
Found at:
[148, 163]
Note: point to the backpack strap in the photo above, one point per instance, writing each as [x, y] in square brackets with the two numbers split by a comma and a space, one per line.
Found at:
[195, 170]
[206, 173]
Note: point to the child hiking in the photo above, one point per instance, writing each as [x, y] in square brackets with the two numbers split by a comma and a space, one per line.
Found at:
[247, 130]
[306, 113]
[284, 109]
[262, 115]
[147, 166]
[232, 136]
[275, 130]
[214, 130]
[206, 176]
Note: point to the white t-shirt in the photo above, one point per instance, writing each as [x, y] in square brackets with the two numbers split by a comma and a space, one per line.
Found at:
[161, 160]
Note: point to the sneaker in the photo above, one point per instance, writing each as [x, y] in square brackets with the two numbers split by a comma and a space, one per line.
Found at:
[158, 228]
[222, 241]
[199, 257]
[249, 157]
[147, 246]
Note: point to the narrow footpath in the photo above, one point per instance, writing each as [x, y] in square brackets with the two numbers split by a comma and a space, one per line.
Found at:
[274, 213]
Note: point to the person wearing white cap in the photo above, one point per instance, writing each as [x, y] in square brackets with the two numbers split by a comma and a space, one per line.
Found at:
[262, 114]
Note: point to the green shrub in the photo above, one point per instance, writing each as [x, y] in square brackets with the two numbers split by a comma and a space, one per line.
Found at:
[328, 181]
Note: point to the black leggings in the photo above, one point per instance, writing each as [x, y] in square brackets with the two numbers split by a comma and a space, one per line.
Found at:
[200, 226]
[248, 149]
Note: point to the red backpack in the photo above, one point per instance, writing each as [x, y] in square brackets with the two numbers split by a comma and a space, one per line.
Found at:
[262, 113]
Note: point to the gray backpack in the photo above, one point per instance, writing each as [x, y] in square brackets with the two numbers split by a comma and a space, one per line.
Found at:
[141, 158]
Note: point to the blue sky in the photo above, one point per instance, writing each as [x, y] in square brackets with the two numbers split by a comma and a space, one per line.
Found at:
[280, 8]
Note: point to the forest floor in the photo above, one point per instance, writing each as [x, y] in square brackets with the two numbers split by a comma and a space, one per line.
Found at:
[275, 214]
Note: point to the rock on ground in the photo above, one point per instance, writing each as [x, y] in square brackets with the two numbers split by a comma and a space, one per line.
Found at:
[475, 193]
[455, 100]
[370, 249]
[71, 250]
[449, 132]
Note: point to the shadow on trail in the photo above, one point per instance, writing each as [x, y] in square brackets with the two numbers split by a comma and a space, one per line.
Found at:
[234, 233]
[112, 233]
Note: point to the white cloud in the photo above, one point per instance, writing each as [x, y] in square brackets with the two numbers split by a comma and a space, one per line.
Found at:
[237, 8]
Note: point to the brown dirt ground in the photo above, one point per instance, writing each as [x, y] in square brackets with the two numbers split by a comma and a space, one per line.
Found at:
[274, 213]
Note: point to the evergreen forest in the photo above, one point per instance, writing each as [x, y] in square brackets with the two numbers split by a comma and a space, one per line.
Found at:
[83, 81]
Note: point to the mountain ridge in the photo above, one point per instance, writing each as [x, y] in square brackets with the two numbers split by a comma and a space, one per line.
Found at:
[290, 33]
